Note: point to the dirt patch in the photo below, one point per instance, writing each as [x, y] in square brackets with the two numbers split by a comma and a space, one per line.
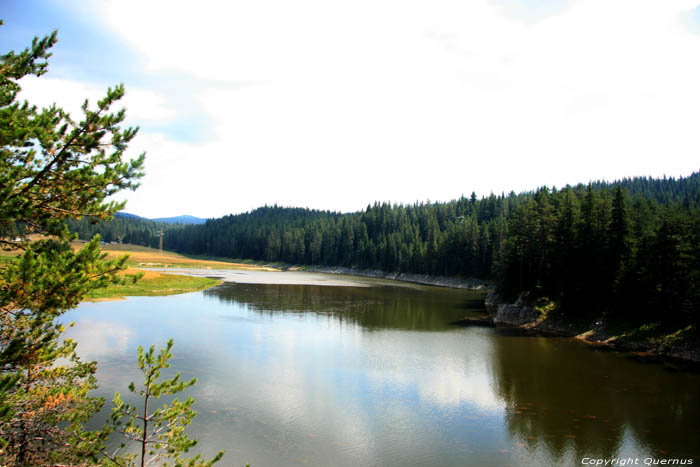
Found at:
[167, 259]
[146, 274]
[104, 299]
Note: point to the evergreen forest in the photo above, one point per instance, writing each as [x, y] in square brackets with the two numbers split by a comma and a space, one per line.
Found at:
[630, 248]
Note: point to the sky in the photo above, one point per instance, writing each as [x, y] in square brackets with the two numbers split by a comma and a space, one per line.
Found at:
[334, 105]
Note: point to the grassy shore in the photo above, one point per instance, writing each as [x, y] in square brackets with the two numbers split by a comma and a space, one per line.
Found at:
[152, 283]
[157, 283]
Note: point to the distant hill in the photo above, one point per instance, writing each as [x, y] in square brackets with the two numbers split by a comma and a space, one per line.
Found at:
[181, 220]
[188, 220]
[126, 215]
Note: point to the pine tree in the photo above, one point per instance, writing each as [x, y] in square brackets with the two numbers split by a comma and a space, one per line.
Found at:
[620, 246]
[52, 167]
[160, 432]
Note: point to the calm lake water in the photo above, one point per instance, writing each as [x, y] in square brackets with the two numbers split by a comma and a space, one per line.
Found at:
[375, 375]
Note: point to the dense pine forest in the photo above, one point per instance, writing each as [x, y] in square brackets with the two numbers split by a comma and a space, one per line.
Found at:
[631, 247]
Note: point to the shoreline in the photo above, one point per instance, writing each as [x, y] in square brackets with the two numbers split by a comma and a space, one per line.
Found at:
[151, 284]
[423, 279]
[501, 314]
[679, 347]
[302, 276]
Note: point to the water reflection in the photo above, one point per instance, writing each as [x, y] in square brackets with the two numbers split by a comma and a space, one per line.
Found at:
[411, 308]
[348, 376]
[572, 401]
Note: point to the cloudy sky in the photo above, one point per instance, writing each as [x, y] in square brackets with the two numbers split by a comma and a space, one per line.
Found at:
[336, 104]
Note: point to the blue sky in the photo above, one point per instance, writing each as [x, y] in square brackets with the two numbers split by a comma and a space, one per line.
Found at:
[87, 52]
[334, 105]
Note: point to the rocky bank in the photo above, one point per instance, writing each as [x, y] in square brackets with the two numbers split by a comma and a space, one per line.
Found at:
[681, 346]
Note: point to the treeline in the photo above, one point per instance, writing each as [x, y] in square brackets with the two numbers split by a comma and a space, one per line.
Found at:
[630, 245]
[457, 238]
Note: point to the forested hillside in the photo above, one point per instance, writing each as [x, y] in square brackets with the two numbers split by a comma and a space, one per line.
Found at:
[456, 238]
[629, 245]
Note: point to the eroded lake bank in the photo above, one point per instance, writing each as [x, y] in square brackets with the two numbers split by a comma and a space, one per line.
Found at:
[675, 347]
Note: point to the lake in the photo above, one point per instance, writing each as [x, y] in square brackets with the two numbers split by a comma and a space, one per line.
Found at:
[341, 371]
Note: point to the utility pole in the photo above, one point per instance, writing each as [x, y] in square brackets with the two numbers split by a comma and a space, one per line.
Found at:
[160, 243]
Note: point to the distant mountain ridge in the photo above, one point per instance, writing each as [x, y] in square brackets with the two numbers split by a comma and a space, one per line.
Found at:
[129, 216]
[185, 219]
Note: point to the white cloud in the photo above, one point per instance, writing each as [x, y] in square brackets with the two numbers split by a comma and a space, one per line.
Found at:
[98, 339]
[532, 11]
[143, 105]
[345, 104]
[444, 381]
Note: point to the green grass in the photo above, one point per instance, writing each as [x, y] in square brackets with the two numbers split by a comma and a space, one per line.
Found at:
[6, 258]
[154, 285]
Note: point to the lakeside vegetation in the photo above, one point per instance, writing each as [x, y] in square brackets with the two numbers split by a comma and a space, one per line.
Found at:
[155, 283]
[151, 283]
[628, 250]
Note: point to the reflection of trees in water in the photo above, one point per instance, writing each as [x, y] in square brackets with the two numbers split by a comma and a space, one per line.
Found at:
[565, 396]
[370, 307]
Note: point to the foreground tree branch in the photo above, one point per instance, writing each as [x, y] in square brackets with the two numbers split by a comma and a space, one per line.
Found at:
[52, 168]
